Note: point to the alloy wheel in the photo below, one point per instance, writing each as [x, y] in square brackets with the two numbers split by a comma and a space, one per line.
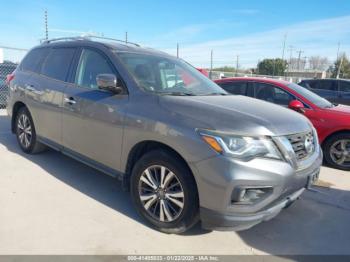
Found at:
[340, 152]
[24, 128]
[161, 193]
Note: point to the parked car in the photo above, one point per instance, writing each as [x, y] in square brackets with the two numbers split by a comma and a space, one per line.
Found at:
[187, 153]
[5, 69]
[332, 122]
[334, 90]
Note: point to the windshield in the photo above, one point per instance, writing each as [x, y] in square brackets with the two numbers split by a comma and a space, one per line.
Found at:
[167, 76]
[312, 97]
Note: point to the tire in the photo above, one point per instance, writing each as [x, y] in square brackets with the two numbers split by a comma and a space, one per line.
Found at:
[337, 147]
[25, 133]
[175, 219]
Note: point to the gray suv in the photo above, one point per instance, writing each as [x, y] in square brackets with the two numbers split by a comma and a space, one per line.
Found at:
[185, 149]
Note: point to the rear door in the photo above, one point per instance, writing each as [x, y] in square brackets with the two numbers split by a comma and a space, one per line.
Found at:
[46, 91]
[93, 118]
[344, 92]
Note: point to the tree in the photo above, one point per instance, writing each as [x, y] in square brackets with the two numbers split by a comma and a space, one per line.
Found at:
[296, 64]
[224, 69]
[318, 63]
[341, 67]
[275, 66]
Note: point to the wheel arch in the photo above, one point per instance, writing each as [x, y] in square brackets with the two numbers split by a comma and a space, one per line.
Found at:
[143, 147]
[329, 136]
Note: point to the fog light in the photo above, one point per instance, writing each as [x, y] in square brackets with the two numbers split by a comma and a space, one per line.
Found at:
[250, 195]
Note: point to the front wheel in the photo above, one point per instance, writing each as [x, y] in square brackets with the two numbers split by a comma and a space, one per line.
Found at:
[337, 151]
[164, 192]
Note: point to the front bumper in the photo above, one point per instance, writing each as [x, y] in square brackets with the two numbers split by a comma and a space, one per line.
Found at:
[217, 178]
[214, 220]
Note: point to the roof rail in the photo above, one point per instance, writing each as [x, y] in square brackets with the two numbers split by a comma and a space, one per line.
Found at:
[88, 37]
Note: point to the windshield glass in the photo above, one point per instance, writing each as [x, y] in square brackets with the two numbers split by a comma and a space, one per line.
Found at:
[312, 97]
[167, 76]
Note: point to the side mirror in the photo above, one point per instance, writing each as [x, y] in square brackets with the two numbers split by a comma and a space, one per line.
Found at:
[109, 82]
[296, 105]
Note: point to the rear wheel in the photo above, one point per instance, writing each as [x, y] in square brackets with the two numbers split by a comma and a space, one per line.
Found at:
[25, 133]
[164, 192]
[337, 151]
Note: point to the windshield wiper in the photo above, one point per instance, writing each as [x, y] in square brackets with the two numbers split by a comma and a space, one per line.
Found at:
[216, 94]
[177, 93]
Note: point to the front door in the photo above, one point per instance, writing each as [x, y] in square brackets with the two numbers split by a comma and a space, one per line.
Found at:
[93, 118]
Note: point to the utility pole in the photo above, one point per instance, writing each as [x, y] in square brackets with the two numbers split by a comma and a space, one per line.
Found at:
[177, 50]
[338, 50]
[237, 64]
[46, 26]
[284, 45]
[126, 37]
[305, 61]
[291, 48]
[299, 57]
[340, 65]
[211, 64]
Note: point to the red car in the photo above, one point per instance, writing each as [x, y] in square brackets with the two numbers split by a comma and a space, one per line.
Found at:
[331, 121]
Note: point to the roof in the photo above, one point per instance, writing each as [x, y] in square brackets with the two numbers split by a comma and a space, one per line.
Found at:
[259, 79]
[115, 44]
[322, 79]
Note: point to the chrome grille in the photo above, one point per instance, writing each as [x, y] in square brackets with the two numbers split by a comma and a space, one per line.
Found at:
[303, 144]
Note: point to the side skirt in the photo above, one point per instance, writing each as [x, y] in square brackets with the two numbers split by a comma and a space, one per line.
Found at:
[83, 159]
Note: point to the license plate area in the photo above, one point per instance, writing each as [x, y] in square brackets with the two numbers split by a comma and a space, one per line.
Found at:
[312, 179]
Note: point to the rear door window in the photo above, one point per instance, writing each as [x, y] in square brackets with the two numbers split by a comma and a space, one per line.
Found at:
[33, 60]
[236, 88]
[57, 63]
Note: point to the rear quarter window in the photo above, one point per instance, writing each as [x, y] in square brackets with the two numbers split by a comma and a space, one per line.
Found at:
[33, 60]
[57, 63]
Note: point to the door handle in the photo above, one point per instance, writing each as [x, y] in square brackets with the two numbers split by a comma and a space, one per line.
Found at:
[30, 88]
[70, 100]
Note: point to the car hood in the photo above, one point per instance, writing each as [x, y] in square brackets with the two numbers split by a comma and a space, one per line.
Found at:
[340, 109]
[236, 114]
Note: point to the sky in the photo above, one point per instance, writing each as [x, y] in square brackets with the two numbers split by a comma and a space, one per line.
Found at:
[253, 30]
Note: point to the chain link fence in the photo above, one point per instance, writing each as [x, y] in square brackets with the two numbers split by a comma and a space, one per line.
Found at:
[9, 59]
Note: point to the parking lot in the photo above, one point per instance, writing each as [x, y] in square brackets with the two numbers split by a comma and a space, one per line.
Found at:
[51, 204]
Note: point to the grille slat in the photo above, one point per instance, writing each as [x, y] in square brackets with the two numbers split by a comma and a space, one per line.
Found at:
[303, 144]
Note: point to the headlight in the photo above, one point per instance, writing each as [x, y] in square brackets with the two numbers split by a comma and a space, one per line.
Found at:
[241, 147]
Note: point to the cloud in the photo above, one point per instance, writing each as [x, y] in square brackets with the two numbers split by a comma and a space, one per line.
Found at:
[318, 37]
